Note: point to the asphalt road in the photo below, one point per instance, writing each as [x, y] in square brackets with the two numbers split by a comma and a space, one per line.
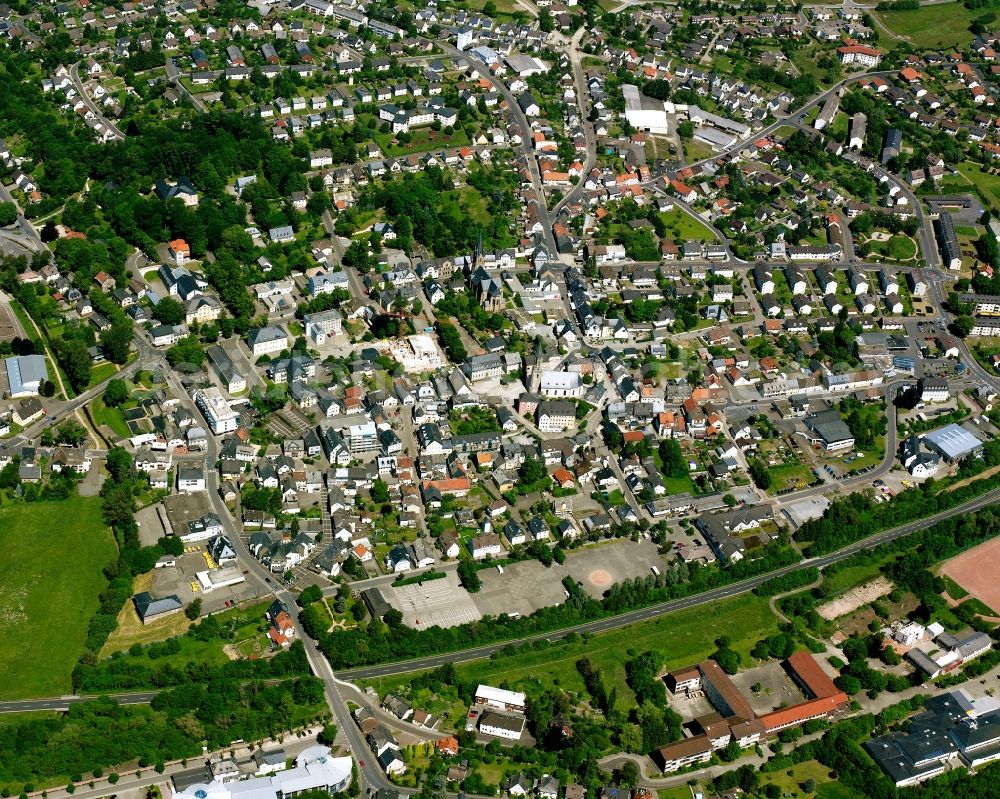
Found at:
[63, 702]
[74, 73]
[654, 611]
[524, 148]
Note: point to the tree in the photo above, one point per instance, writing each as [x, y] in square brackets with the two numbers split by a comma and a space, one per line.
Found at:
[630, 738]
[71, 432]
[533, 476]
[468, 575]
[760, 474]
[328, 734]
[116, 393]
[187, 350]
[169, 311]
[76, 362]
[117, 340]
[672, 458]
[380, 491]
[8, 214]
[657, 89]
[627, 774]
[193, 610]
[963, 325]
[731, 751]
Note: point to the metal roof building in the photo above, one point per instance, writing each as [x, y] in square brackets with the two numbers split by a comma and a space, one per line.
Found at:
[25, 374]
[953, 442]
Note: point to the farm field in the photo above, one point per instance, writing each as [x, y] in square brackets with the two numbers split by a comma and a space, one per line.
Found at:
[51, 571]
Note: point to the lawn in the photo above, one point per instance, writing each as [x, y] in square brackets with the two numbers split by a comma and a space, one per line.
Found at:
[111, 417]
[697, 150]
[678, 792]
[933, 27]
[955, 591]
[988, 184]
[50, 579]
[685, 637]
[684, 227]
[838, 130]
[421, 140]
[800, 772]
[790, 475]
[100, 373]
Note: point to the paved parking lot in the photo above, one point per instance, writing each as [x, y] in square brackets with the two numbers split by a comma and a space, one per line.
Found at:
[522, 588]
[527, 586]
[178, 579]
[150, 522]
[442, 602]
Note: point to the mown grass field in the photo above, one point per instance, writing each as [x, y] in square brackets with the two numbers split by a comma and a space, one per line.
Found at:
[685, 227]
[936, 26]
[112, 418]
[50, 579]
[791, 784]
[988, 184]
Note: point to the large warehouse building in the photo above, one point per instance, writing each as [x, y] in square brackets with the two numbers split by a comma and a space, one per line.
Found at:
[644, 113]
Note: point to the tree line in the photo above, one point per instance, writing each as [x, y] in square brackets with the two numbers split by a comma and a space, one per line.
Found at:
[377, 642]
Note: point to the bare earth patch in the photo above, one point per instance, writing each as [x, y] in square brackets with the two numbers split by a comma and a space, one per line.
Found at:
[855, 598]
[975, 570]
[600, 578]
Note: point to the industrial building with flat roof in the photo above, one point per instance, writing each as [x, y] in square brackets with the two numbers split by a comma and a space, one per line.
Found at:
[315, 770]
[954, 726]
[953, 442]
[644, 113]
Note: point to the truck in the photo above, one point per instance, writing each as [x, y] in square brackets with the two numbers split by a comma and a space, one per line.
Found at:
[655, 570]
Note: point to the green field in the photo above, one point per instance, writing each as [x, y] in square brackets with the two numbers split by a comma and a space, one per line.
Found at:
[684, 227]
[979, 607]
[50, 578]
[111, 417]
[988, 184]
[955, 591]
[684, 638]
[937, 26]
[850, 576]
[790, 784]
[100, 373]
[789, 475]
[469, 201]
[678, 792]
[421, 140]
